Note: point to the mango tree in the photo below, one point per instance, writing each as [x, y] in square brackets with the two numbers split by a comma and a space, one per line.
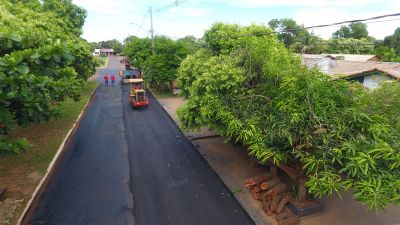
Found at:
[337, 135]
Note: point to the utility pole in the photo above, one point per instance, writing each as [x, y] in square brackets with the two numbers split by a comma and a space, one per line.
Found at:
[153, 45]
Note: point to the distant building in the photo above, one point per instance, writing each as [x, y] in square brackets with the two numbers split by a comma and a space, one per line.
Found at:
[96, 52]
[104, 52]
[365, 70]
[107, 51]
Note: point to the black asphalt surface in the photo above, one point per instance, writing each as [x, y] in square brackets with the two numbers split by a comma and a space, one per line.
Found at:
[129, 166]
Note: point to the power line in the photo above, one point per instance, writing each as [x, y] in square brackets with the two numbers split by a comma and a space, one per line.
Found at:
[343, 22]
[172, 5]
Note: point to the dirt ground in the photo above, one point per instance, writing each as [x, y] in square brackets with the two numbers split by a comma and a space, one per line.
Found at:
[232, 164]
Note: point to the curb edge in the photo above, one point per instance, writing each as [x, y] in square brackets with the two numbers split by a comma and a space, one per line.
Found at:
[40, 187]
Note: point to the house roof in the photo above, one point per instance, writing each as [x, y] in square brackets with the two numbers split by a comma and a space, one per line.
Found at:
[347, 57]
[107, 50]
[352, 68]
[353, 57]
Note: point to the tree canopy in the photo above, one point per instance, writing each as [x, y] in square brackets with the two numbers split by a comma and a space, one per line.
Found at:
[114, 44]
[251, 89]
[357, 30]
[161, 67]
[42, 61]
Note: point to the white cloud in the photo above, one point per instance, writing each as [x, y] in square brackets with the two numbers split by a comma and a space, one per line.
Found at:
[109, 19]
[189, 11]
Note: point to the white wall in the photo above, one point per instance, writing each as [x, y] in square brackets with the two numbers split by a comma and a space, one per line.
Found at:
[374, 81]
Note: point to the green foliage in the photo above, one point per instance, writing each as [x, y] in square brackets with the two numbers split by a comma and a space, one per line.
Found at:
[253, 90]
[192, 43]
[138, 50]
[190, 67]
[350, 46]
[357, 30]
[296, 37]
[393, 41]
[113, 44]
[160, 68]
[387, 54]
[42, 61]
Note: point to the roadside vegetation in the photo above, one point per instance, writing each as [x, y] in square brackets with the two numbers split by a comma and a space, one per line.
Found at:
[101, 61]
[351, 39]
[114, 44]
[247, 83]
[43, 62]
[248, 86]
[161, 67]
[22, 173]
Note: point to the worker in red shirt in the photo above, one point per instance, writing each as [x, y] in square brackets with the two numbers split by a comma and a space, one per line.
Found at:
[113, 80]
[106, 80]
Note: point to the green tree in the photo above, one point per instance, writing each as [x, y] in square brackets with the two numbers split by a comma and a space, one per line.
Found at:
[393, 41]
[161, 67]
[387, 54]
[191, 42]
[138, 50]
[42, 62]
[350, 46]
[357, 30]
[290, 31]
[73, 15]
[334, 131]
[297, 38]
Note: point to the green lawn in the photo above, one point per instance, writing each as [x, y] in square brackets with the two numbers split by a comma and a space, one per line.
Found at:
[21, 173]
[101, 61]
[161, 95]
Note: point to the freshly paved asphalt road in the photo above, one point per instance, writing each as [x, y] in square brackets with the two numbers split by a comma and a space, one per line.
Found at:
[129, 166]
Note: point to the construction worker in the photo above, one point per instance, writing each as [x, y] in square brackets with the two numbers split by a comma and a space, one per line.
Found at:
[106, 80]
[113, 80]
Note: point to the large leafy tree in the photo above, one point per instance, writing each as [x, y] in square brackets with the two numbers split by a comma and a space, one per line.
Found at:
[357, 30]
[161, 67]
[114, 44]
[253, 90]
[42, 61]
[393, 41]
[350, 46]
[295, 37]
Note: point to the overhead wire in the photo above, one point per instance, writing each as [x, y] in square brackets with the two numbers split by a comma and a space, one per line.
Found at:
[172, 5]
[344, 22]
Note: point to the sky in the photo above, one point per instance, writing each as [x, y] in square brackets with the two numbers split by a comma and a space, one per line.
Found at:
[109, 19]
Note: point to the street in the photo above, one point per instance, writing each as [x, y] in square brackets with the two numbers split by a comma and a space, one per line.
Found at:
[127, 166]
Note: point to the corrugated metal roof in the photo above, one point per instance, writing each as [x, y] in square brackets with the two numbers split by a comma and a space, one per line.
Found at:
[347, 57]
[352, 68]
[352, 57]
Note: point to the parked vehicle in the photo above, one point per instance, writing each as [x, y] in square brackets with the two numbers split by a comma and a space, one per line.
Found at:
[127, 74]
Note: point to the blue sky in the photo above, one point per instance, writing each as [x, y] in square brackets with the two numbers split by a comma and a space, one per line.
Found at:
[108, 19]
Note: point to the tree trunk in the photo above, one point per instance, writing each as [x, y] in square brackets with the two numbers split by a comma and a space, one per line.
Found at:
[277, 189]
[301, 192]
[269, 184]
[274, 171]
[275, 203]
[257, 179]
[284, 201]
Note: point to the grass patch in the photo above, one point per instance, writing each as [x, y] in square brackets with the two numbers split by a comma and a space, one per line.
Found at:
[101, 61]
[161, 94]
[21, 173]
